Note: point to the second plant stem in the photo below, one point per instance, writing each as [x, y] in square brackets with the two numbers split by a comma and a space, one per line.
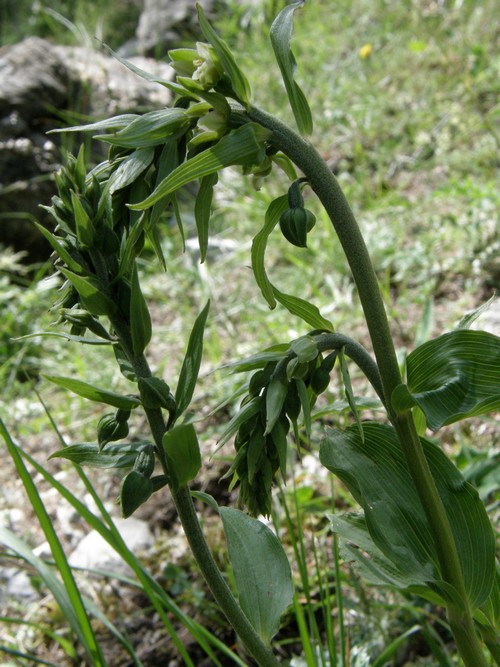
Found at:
[329, 192]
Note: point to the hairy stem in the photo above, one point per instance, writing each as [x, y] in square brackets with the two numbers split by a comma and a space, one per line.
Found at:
[328, 190]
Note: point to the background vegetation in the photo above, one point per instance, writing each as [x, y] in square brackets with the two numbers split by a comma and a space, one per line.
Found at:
[405, 101]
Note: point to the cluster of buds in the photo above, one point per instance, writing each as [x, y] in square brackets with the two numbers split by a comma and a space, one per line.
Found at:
[277, 393]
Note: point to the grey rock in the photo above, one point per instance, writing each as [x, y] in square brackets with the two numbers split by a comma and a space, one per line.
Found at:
[40, 83]
[164, 24]
[93, 552]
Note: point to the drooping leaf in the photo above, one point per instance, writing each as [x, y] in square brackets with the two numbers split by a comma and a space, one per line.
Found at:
[94, 393]
[91, 455]
[452, 377]
[191, 364]
[376, 473]
[261, 570]
[202, 211]
[182, 451]
[346, 381]
[306, 310]
[243, 146]
[281, 35]
[259, 243]
[140, 319]
[238, 80]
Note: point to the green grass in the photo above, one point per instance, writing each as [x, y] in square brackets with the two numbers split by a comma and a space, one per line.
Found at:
[410, 132]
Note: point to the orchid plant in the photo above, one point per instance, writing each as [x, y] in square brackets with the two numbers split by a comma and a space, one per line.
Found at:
[421, 526]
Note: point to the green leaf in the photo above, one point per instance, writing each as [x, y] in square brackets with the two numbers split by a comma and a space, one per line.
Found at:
[376, 473]
[183, 454]
[84, 226]
[303, 309]
[453, 377]
[261, 570]
[115, 123]
[150, 129]
[191, 364]
[130, 169]
[134, 491]
[306, 405]
[471, 317]
[243, 146]
[346, 381]
[281, 35]
[155, 393]
[202, 211]
[140, 319]
[94, 393]
[259, 243]
[59, 248]
[239, 82]
[247, 412]
[275, 399]
[91, 293]
[90, 454]
[305, 348]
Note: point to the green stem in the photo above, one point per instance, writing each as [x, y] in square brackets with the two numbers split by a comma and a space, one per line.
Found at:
[192, 529]
[328, 190]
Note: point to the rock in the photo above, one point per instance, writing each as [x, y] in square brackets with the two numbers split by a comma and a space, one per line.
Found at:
[40, 84]
[164, 24]
[93, 552]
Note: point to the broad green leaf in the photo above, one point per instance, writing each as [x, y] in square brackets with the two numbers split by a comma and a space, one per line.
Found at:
[303, 309]
[140, 319]
[130, 169]
[259, 243]
[91, 293]
[376, 473]
[239, 82]
[89, 454]
[135, 489]
[202, 211]
[191, 364]
[183, 454]
[150, 129]
[281, 35]
[243, 146]
[261, 570]
[305, 348]
[94, 393]
[452, 377]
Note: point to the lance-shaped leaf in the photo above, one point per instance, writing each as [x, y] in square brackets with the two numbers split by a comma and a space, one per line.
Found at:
[115, 123]
[140, 319]
[91, 293]
[244, 146]
[261, 570]
[91, 455]
[376, 473]
[84, 227]
[94, 393]
[239, 82]
[306, 310]
[452, 377]
[275, 399]
[259, 244]
[182, 452]
[60, 249]
[191, 364]
[130, 169]
[202, 211]
[281, 35]
[151, 129]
